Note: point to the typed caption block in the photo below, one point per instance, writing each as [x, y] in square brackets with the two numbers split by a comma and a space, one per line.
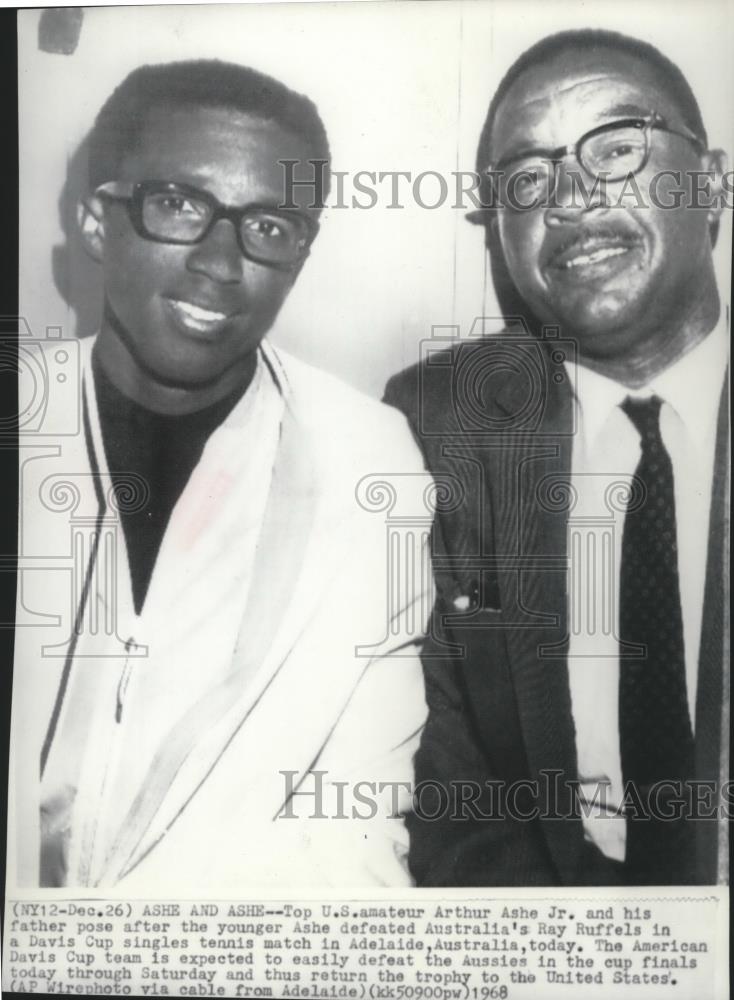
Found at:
[415, 949]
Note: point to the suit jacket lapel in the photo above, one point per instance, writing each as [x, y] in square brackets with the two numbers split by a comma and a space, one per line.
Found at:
[530, 491]
[712, 717]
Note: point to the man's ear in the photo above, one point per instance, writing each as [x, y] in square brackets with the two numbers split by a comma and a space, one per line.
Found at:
[90, 219]
[715, 162]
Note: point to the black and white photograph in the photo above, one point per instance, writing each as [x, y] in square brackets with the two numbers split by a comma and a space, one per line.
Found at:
[371, 627]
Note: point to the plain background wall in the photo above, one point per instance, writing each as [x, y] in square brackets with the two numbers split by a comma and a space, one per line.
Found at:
[400, 86]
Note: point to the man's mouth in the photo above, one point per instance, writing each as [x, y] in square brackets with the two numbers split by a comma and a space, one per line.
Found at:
[594, 256]
[196, 319]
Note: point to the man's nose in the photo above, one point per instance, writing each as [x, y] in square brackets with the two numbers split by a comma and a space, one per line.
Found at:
[218, 256]
[576, 193]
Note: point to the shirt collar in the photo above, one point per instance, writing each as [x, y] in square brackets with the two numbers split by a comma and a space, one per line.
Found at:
[691, 386]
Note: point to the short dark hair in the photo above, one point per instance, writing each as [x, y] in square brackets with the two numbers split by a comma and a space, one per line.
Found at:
[599, 39]
[197, 83]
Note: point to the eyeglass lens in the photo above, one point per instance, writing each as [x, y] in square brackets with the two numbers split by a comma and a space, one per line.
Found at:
[611, 154]
[615, 154]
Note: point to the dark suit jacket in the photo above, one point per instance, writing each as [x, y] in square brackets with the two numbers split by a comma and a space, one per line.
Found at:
[495, 421]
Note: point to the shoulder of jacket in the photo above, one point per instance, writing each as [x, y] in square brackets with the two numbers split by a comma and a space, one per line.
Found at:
[349, 416]
[429, 386]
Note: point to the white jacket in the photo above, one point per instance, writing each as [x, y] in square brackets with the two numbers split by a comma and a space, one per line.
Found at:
[323, 684]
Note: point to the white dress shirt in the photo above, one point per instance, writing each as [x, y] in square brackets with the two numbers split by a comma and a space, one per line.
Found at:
[606, 450]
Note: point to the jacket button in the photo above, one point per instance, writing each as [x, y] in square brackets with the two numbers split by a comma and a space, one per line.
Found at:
[468, 601]
[474, 595]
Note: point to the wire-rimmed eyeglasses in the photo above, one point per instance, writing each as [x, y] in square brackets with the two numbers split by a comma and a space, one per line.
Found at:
[610, 152]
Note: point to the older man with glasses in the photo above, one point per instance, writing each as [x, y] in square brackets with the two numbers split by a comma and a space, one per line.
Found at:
[576, 672]
[219, 675]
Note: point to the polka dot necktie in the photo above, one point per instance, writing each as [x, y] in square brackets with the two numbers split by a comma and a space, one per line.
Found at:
[656, 740]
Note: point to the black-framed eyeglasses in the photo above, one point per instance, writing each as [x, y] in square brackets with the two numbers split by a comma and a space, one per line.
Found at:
[610, 152]
[166, 212]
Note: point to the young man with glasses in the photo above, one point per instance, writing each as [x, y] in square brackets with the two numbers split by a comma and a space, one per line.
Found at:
[576, 675]
[224, 670]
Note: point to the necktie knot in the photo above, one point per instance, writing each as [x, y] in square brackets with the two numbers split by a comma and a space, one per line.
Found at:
[645, 415]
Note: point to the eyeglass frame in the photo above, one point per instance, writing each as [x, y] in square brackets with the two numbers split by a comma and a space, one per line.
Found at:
[233, 213]
[555, 156]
